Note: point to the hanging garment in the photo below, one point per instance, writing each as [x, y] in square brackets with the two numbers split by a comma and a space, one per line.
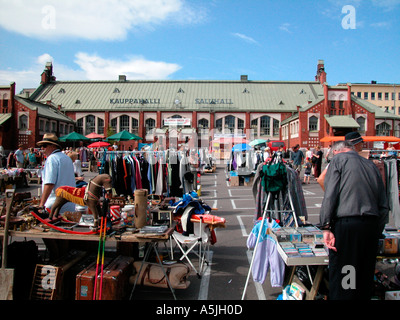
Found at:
[160, 177]
[267, 257]
[296, 191]
[174, 181]
[392, 189]
[144, 167]
[274, 177]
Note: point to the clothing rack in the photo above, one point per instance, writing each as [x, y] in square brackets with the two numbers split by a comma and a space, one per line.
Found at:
[173, 163]
[274, 159]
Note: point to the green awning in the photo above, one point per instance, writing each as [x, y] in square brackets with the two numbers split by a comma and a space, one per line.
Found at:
[341, 122]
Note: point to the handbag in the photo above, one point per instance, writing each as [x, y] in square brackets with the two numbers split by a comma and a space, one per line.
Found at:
[153, 276]
[314, 160]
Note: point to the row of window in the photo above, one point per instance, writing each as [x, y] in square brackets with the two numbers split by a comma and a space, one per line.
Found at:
[49, 126]
[45, 125]
[264, 126]
[378, 96]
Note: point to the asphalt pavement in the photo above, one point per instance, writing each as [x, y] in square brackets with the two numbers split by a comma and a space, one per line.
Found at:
[229, 260]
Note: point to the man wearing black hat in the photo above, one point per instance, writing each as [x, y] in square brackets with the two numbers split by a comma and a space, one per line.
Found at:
[355, 139]
[353, 214]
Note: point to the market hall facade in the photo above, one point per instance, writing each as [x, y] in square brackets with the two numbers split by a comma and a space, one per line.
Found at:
[170, 112]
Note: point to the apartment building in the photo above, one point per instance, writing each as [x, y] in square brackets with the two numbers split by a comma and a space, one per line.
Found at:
[384, 95]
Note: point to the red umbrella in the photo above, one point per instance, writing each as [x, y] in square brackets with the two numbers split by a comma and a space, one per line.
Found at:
[98, 144]
[94, 135]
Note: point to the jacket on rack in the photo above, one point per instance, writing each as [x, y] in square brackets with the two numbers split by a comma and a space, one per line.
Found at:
[392, 189]
[267, 257]
[293, 186]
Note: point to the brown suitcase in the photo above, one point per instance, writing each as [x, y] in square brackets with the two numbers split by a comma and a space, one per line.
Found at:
[48, 282]
[85, 280]
[116, 279]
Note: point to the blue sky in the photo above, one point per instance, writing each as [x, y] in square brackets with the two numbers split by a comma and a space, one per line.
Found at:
[199, 39]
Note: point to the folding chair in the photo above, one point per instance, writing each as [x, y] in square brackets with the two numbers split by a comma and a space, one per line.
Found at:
[188, 244]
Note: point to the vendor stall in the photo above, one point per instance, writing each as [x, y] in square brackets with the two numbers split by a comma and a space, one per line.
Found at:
[130, 223]
[242, 165]
[13, 178]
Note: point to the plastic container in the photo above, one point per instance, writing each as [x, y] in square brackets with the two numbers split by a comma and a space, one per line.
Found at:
[115, 212]
[128, 215]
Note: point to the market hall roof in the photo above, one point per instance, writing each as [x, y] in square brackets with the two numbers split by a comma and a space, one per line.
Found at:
[175, 95]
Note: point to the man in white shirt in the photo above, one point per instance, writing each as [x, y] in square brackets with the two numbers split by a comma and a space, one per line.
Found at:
[19, 156]
[58, 171]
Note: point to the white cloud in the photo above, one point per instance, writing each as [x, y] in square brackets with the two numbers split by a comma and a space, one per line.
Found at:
[91, 19]
[90, 67]
[245, 38]
[97, 68]
[388, 5]
[285, 27]
[382, 24]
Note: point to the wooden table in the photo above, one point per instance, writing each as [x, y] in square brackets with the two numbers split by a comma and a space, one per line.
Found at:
[127, 236]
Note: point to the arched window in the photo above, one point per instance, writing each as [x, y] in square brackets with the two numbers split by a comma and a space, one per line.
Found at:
[218, 124]
[113, 125]
[90, 124]
[124, 123]
[230, 123]
[383, 129]
[23, 122]
[397, 131]
[313, 123]
[135, 126]
[275, 126]
[100, 126]
[150, 124]
[203, 123]
[265, 126]
[240, 124]
[361, 122]
[79, 126]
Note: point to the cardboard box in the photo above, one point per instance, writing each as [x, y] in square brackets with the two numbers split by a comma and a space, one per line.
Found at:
[391, 245]
[234, 181]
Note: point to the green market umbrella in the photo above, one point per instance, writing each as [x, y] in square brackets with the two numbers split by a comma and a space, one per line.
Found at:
[257, 142]
[73, 136]
[135, 137]
[123, 136]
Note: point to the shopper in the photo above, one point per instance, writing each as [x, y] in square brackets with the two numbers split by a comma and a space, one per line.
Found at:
[297, 158]
[79, 179]
[19, 156]
[329, 154]
[58, 171]
[318, 164]
[353, 214]
[309, 153]
[307, 171]
[31, 159]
